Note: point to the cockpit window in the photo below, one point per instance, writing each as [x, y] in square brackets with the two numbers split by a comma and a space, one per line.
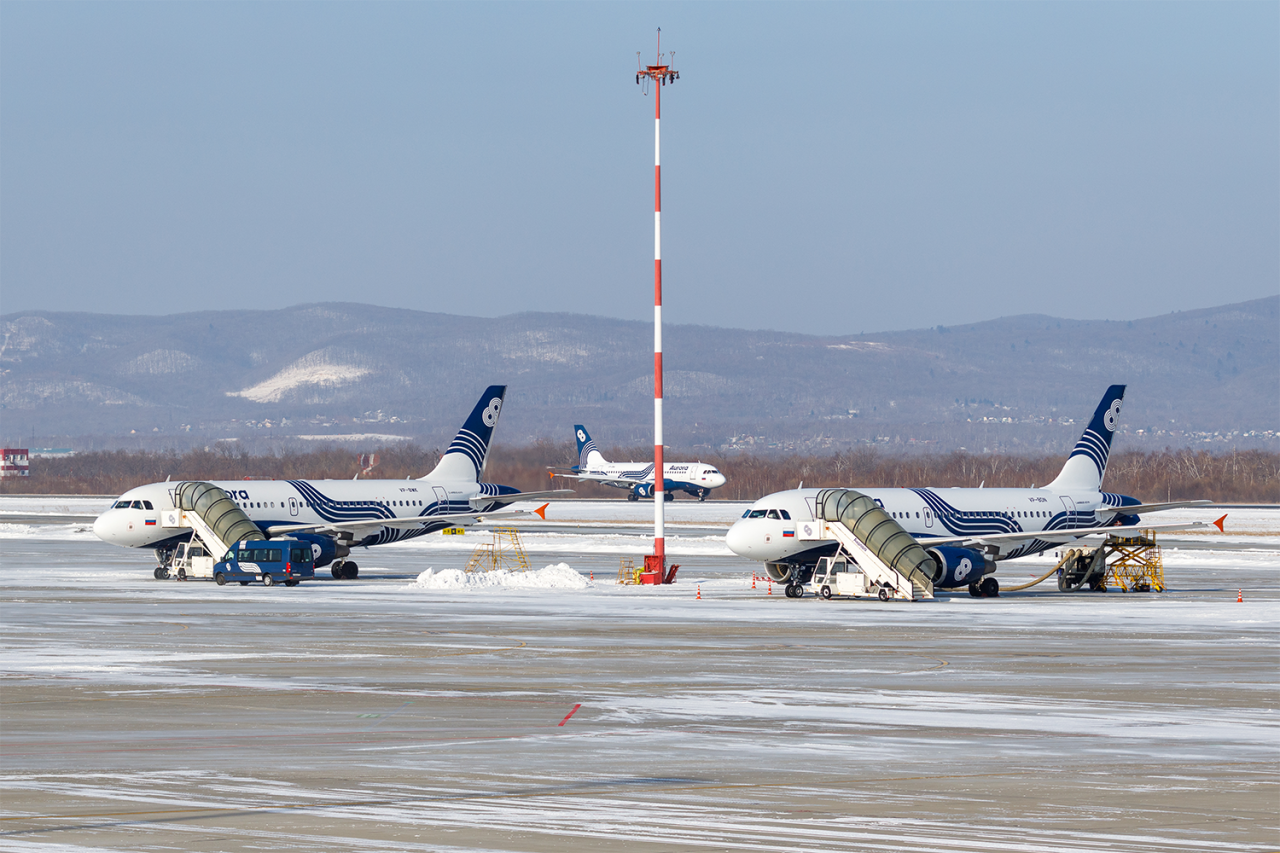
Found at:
[136, 505]
[756, 513]
[147, 504]
[120, 505]
[773, 513]
[785, 514]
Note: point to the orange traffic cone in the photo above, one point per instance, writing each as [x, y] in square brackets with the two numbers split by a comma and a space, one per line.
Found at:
[770, 592]
[699, 592]
[1240, 597]
[593, 575]
[753, 580]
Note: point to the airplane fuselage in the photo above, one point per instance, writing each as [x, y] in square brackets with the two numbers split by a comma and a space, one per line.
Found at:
[134, 519]
[767, 531]
[696, 478]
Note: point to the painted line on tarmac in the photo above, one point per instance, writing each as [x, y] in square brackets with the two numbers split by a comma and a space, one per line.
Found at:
[570, 714]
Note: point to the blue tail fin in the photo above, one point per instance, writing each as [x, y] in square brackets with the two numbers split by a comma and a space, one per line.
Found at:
[469, 451]
[588, 455]
[1087, 464]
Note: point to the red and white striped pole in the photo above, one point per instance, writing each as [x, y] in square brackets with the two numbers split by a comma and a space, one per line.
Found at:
[660, 75]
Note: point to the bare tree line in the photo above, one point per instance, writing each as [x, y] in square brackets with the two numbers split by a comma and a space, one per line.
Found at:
[1246, 476]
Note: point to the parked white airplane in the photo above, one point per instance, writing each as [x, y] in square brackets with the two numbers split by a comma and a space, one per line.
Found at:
[965, 530]
[338, 515]
[696, 478]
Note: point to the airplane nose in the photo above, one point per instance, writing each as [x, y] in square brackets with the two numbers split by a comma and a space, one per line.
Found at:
[106, 528]
[739, 540]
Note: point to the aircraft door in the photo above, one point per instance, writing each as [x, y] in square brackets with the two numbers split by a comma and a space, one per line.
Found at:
[928, 517]
[442, 500]
[293, 506]
[1070, 504]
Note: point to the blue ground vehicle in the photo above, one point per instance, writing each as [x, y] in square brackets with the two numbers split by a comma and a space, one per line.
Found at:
[273, 561]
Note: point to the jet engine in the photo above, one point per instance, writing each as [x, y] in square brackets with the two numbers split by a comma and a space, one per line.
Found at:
[958, 566]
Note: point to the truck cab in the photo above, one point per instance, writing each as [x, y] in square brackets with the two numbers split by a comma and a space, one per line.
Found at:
[190, 560]
[273, 561]
[840, 575]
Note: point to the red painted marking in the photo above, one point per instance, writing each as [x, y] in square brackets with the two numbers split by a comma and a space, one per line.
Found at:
[570, 714]
[657, 189]
[657, 375]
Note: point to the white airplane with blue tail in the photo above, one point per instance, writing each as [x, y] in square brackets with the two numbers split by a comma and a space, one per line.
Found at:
[338, 515]
[966, 531]
[695, 478]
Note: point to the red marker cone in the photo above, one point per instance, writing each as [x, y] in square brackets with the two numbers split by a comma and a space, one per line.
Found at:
[770, 592]
[1240, 597]
[753, 580]
[699, 592]
[593, 575]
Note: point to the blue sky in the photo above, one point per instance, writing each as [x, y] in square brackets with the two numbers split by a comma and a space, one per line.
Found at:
[828, 168]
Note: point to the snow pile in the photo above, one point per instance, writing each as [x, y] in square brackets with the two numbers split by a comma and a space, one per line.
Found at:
[558, 576]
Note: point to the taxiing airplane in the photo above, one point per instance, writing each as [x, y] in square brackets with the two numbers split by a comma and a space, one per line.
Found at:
[965, 530]
[338, 515]
[695, 478]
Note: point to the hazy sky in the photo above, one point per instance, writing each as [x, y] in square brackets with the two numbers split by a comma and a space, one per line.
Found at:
[828, 167]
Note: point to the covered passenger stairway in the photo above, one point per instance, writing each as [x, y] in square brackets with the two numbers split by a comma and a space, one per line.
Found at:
[887, 554]
[214, 517]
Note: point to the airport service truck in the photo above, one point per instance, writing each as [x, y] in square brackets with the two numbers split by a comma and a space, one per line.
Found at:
[841, 576]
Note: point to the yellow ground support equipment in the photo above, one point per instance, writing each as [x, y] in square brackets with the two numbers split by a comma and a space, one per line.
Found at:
[505, 552]
[1133, 563]
[627, 571]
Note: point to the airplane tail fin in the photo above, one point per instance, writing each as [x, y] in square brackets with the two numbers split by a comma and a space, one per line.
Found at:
[469, 451]
[588, 455]
[1087, 464]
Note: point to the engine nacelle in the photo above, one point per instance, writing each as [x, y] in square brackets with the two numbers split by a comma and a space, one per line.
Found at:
[958, 566]
[780, 572]
[323, 549]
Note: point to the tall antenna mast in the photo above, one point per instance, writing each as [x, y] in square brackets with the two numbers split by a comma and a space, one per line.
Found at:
[660, 74]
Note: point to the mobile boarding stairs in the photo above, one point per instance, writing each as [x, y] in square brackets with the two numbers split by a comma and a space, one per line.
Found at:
[217, 524]
[889, 561]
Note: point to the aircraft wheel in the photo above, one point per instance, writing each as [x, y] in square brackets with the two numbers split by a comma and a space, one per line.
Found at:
[220, 579]
[990, 587]
[268, 580]
[350, 571]
[826, 592]
[632, 497]
[884, 594]
[973, 590]
[668, 496]
[336, 571]
[161, 573]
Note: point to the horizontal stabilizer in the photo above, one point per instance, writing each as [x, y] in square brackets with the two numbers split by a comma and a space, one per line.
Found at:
[485, 500]
[1139, 508]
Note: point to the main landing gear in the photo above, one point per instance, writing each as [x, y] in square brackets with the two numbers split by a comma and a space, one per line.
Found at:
[795, 590]
[986, 588]
[344, 570]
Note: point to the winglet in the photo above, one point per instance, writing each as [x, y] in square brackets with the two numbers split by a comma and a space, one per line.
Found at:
[542, 512]
[1218, 524]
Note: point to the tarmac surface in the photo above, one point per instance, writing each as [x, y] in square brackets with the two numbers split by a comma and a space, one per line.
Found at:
[391, 714]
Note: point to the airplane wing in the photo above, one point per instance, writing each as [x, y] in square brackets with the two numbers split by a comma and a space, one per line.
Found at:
[607, 481]
[481, 500]
[1130, 510]
[1063, 535]
[372, 524]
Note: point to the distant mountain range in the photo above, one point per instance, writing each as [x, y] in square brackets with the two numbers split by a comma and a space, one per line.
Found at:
[266, 377]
